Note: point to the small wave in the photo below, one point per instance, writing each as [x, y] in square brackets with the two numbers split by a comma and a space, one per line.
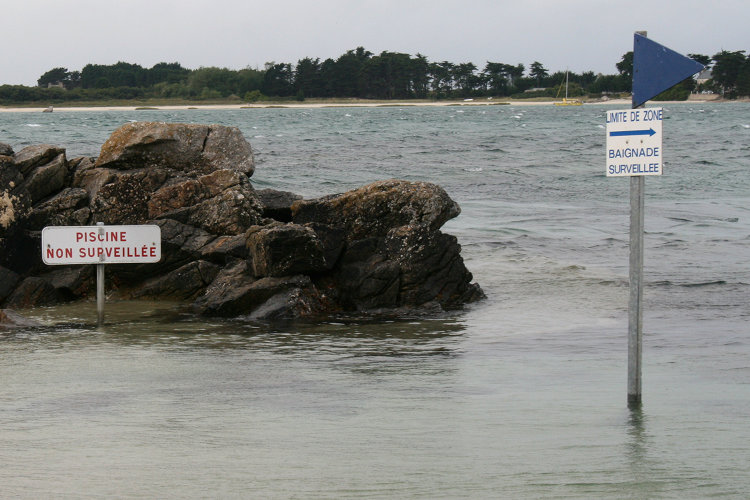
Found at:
[494, 243]
[674, 244]
[699, 284]
[575, 267]
[473, 169]
[705, 283]
[734, 343]
[614, 282]
[613, 240]
[745, 125]
[33, 125]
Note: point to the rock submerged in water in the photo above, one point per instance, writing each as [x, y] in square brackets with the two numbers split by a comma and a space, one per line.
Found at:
[10, 319]
[227, 249]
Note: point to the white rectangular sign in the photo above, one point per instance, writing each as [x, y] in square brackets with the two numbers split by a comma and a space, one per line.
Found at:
[101, 244]
[634, 142]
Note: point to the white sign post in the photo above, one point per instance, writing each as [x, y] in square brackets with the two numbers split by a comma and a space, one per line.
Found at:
[100, 244]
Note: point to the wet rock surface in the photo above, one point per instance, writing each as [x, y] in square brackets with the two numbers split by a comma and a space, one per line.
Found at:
[227, 249]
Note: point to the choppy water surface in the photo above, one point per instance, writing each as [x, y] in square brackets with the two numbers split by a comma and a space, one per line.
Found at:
[520, 396]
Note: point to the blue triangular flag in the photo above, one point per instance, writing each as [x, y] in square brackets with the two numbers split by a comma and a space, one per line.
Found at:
[657, 68]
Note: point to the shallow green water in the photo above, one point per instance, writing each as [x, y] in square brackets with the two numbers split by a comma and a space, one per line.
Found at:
[520, 396]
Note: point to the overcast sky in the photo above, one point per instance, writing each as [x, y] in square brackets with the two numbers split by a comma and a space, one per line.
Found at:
[580, 35]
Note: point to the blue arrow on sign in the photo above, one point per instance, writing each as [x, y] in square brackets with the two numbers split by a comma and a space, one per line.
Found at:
[619, 133]
[657, 68]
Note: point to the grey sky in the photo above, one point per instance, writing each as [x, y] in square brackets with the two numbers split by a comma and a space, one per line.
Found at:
[579, 35]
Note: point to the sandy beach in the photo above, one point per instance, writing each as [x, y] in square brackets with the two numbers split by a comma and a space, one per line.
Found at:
[303, 105]
[355, 103]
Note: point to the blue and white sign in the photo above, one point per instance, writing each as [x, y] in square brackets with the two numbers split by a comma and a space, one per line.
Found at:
[634, 142]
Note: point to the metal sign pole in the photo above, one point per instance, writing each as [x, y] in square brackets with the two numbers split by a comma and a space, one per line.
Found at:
[635, 311]
[655, 69]
[100, 285]
[99, 295]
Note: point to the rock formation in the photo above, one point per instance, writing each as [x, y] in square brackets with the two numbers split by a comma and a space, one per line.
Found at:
[227, 249]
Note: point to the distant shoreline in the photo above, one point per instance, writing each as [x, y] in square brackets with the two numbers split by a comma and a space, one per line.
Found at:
[317, 104]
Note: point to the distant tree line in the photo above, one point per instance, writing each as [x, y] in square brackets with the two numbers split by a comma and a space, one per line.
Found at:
[730, 73]
[357, 73]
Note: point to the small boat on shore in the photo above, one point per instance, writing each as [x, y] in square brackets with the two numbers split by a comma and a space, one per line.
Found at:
[566, 101]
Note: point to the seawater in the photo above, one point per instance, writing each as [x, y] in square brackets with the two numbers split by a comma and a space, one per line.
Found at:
[522, 395]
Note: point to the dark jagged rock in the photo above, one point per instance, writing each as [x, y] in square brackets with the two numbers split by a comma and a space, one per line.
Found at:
[8, 280]
[31, 157]
[90, 178]
[235, 293]
[225, 296]
[47, 179]
[277, 205]
[222, 202]
[32, 291]
[10, 176]
[183, 283]
[227, 249]
[71, 282]
[20, 250]
[15, 206]
[333, 239]
[124, 198]
[180, 245]
[366, 279]
[67, 208]
[195, 174]
[396, 256]
[284, 250]
[302, 300]
[177, 146]
[375, 209]
[431, 267]
[181, 237]
[15, 202]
